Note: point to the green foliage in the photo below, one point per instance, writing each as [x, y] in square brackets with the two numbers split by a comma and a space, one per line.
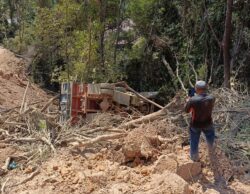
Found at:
[202, 72]
[140, 12]
[113, 40]
[16, 30]
[166, 93]
[138, 48]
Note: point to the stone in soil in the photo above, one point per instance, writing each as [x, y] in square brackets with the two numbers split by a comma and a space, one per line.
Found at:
[167, 183]
[187, 169]
[140, 143]
[165, 162]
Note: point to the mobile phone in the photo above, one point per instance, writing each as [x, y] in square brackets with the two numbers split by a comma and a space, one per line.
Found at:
[191, 92]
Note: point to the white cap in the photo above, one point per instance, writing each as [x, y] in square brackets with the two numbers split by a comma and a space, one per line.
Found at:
[200, 85]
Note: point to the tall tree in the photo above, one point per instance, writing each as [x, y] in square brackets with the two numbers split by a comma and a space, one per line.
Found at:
[120, 17]
[102, 33]
[226, 43]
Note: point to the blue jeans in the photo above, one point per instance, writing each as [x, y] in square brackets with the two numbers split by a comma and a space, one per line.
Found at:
[195, 137]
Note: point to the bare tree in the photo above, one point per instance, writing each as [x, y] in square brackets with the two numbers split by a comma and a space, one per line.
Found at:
[226, 43]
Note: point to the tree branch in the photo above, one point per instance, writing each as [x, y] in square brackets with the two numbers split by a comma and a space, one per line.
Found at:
[170, 71]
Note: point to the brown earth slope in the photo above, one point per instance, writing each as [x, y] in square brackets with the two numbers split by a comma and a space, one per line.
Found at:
[13, 82]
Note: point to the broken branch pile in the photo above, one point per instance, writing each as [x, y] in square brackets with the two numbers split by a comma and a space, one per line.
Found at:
[232, 120]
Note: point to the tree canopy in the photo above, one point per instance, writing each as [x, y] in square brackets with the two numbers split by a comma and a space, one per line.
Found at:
[151, 44]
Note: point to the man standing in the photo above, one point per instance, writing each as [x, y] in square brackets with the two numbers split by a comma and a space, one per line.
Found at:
[200, 106]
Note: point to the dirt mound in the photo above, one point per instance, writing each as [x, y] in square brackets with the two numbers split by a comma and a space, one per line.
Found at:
[13, 82]
[9, 63]
[95, 173]
[140, 143]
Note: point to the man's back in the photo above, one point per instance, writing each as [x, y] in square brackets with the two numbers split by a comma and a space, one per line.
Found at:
[201, 107]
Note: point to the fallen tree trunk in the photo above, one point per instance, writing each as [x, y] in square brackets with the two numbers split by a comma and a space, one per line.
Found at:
[144, 119]
[150, 117]
[49, 102]
[82, 143]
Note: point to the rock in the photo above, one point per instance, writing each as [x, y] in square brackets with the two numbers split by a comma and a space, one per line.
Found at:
[81, 175]
[122, 174]
[140, 143]
[50, 180]
[131, 151]
[100, 168]
[64, 171]
[75, 180]
[167, 183]
[126, 178]
[187, 169]
[29, 169]
[99, 178]
[90, 156]
[145, 172]
[163, 163]
[211, 191]
[104, 150]
[120, 188]
[123, 167]
[55, 167]
[117, 188]
[90, 167]
[69, 164]
[2, 145]
[240, 187]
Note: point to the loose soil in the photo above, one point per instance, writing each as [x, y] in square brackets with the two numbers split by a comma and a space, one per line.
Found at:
[13, 82]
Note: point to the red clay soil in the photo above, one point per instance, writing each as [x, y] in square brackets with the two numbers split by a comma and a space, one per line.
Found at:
[96, 173]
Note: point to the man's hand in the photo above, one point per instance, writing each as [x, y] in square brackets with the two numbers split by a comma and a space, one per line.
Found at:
[188, 98]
